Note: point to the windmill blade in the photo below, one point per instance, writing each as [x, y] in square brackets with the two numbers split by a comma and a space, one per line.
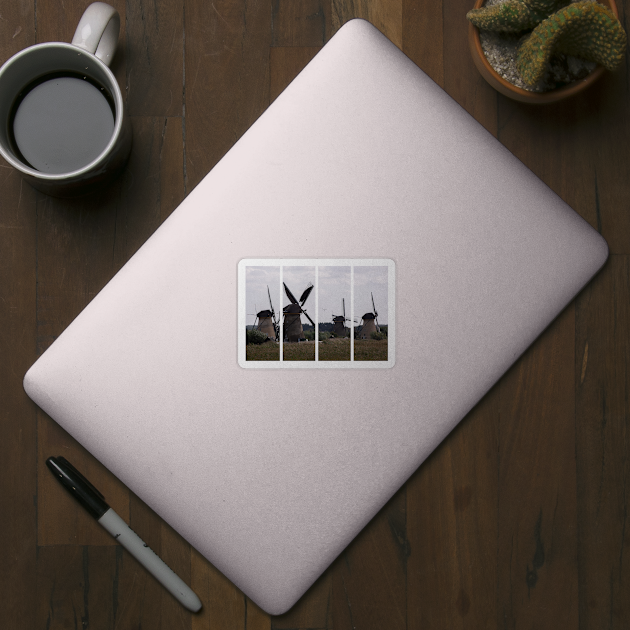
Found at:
[343, 301]
[276, 328]
[307, 317]
[270, 302]
[289, 294]
[374, 307]
[305, 295]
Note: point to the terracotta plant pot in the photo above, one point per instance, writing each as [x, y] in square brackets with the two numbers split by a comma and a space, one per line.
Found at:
[512, 91]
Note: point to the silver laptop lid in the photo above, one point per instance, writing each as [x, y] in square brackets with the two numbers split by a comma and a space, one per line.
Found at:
[365, 165]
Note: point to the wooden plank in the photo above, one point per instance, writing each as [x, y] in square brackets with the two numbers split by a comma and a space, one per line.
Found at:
[17, 28]
[608, 128]
[452, 527]
[76, 587]
[603, 443]
[386, 15]
[154, 57]
[423, 36]
[226, 78]
[537, 537]
[461, 78]
[369, 588]
[18, 422]
[300, 22]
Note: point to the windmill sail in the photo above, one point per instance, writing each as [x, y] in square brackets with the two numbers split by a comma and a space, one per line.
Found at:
[305, 295]
[273, 315]
[293, 330]
[289, 294]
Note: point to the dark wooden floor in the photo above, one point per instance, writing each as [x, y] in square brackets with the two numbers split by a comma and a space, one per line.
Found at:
[518, 520]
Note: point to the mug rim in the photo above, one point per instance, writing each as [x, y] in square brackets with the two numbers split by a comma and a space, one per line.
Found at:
[118, 122]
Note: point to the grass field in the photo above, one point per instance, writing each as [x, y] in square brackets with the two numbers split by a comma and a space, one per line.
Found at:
[334, 350]
[302, 351]
[370, 350]
[268, 351]
[329, 350]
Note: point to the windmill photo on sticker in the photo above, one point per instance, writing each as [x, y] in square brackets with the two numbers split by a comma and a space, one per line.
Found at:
[298, 342]
[335, 324]
[262, 288]
[371, 305]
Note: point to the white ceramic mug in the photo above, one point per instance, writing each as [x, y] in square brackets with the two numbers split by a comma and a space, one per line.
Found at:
[87, 58]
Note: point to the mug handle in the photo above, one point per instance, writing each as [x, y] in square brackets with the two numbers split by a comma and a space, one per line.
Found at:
[98, 30]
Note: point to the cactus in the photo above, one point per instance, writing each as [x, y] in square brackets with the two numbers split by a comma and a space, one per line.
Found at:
[513, 16]
[583, 29]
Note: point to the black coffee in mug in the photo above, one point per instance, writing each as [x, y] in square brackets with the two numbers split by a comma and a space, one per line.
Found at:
[62, 122]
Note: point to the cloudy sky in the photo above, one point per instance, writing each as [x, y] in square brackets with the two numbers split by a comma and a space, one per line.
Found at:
[256, 281]
[334, 286]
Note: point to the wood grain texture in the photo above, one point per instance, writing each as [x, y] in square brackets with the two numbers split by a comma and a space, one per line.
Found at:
[300, 22]
[76, 587]
[154, 57]
[602, 381]
[18, 324]
[537, 534]
[518, 520]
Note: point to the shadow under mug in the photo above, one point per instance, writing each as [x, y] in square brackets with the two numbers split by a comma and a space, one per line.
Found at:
[87, 57]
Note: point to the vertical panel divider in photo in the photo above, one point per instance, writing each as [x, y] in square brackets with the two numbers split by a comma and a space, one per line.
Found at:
[280, 316]
[316, 313]
[351, 313]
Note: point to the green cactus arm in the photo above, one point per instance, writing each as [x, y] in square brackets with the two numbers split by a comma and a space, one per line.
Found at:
[513, 16]
[583, 29]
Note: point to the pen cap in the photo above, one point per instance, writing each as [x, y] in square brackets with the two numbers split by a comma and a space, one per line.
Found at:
[78, 486]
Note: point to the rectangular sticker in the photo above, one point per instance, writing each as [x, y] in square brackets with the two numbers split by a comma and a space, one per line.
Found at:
[316, 313]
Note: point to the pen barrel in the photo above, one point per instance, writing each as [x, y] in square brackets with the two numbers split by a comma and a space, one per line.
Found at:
[149, 559]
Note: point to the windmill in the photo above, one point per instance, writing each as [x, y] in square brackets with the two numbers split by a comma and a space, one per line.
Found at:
[370, 323]
[267, 321]
[339, 322]
[292, 323]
